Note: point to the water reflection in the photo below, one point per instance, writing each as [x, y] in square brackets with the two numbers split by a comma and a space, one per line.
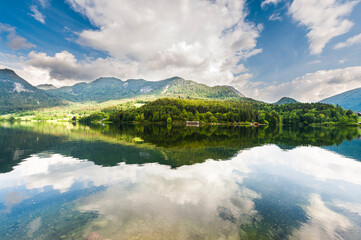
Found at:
[107, 145]
[64, 189]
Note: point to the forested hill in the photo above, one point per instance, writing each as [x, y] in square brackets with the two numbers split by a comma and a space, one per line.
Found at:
[104, 89]
[285, 100]
[168, 110]
[16, 94]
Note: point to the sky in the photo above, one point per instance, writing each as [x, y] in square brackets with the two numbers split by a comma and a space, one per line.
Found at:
[267, 49]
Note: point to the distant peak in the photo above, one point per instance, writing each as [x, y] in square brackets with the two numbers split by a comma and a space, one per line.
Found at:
[9, 74]
[7, 70]
[175, 78]
[105, 79]
[46, 86]
[285, 100]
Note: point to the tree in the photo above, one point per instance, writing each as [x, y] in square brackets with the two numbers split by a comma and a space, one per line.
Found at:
[155, 116]
[262, 118]
[209, 115]
[137, 117]
[213, 119]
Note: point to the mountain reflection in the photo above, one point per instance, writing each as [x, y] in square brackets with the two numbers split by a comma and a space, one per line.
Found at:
[109, 145]
[64, 181]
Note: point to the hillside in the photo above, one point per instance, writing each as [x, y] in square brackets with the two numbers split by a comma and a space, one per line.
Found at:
[16, 94]
[348, 100]
[104, 89]
[285, 100]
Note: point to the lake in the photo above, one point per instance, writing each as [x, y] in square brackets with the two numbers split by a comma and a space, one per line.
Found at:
[71, 181]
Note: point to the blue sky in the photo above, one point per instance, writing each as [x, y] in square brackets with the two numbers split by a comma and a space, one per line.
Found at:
[306, 49]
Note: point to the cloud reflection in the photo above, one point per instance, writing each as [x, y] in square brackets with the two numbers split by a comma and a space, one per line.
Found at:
[207, 200]
[324, 223]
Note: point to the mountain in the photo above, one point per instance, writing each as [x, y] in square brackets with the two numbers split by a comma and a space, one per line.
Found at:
[285, 100]
[347, 100]
[16, 94]
[45, 86]
[104, 89]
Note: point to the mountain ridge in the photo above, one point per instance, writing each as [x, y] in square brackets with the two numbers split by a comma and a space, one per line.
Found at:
[16, 94]
[348, 100]
[110, 88]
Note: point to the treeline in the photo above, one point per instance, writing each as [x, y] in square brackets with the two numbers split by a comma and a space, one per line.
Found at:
[306, 114]
[168, 110]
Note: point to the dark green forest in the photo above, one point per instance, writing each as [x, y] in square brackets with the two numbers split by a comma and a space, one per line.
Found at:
[170, 110]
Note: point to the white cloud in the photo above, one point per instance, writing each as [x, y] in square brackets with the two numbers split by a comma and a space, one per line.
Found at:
[44, 3]
[275, 17]
[349, 42]
[315, 86]
[36, 14]
[64, 68]
[15, 41]
[268, 2]
[198, 40]
[324, 19]
[9, 61]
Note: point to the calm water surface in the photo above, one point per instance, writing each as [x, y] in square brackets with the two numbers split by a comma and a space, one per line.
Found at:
[64, 181]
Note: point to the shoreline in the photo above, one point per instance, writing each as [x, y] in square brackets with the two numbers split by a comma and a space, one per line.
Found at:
[238, 124]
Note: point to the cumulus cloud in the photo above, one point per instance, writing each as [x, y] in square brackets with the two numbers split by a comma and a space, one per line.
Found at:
[315, 86]
[349, 42]
[15, 41]
[324, 20]
[199, 40]
[35, 13]
[64, 67]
